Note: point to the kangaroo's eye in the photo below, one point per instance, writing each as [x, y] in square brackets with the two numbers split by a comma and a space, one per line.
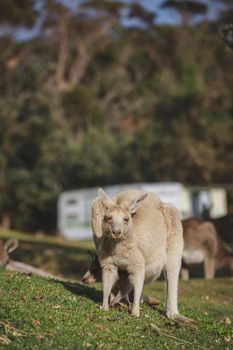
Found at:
[126, 220]
[108, 217]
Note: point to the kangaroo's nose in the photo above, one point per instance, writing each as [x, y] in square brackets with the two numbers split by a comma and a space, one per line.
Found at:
[116, 233]
[85, 278]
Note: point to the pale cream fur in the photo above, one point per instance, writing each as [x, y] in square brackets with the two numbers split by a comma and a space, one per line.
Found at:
[150, 242]
[97, 214]
[123, 286]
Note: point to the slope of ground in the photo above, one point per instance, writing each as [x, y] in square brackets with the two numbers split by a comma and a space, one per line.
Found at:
[40, 313]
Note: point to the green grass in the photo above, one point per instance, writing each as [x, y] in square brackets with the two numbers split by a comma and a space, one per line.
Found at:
[57, 315]
[63, 258]
[41, 313]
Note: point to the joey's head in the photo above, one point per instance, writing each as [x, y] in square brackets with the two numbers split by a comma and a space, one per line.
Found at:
[94, 272]
[118, 218]
[5, 249]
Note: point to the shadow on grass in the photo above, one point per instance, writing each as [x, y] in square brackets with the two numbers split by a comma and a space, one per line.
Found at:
[82, 290]
[97, 296]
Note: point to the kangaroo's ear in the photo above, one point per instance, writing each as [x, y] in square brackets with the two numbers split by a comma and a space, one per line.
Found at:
[104, 198]
[103, 195]
[94, 256]
[90, 253]
[11, 245]
[135, 204]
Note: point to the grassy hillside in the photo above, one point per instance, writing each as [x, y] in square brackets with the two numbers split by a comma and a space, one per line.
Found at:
[40, 313]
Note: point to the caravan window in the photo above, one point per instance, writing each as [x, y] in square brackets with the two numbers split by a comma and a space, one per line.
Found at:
[71, 201]
[71, 220]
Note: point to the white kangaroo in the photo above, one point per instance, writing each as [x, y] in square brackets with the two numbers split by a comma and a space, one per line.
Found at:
[142, 236]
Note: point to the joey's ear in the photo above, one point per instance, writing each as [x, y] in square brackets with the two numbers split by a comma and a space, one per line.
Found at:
[105, 199]
[91, 254]
[94, 256]
[135, 204]
[11, 245]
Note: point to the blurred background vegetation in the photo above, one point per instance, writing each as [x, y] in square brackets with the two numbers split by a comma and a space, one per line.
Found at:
[102, 92]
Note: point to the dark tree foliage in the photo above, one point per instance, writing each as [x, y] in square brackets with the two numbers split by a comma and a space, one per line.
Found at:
[138, 11]
[227, 31]
[187, 8]
[110, 7]
[91, 102]
[18, 13]
[195, 7]
[226, 16]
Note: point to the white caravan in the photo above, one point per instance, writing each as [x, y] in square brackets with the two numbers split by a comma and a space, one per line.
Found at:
[74, 207]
